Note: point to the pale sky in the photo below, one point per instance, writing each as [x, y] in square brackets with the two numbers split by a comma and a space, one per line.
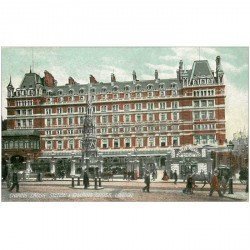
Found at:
[80, 62]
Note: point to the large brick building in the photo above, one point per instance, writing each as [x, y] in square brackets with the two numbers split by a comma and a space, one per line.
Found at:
[148, 119]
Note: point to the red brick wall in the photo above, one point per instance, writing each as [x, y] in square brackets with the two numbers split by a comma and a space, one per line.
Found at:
[219, 101]
[186, 139]
[186, 115]
[220, 114]
[184, 103]
[49, 79]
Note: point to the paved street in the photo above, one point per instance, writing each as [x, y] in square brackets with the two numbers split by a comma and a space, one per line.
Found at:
[115, 191]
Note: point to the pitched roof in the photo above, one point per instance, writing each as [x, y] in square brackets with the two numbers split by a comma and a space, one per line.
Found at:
[201, 68]
[109, 86]
[30, 80]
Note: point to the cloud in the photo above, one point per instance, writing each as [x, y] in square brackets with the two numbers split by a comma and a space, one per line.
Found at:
[165, 71]
[236, 109]
[228, 67]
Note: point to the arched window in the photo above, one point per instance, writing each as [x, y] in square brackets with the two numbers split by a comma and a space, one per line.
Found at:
[49, 92]
[59, 145]
[81, 91]
[59, 92]
[71, 144]
[92, 90]
[71, 91]
[49, 144]
[138, 87]
[115, 88]
[149, 87]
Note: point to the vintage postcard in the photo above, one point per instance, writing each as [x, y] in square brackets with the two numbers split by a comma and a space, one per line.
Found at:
[124, 124]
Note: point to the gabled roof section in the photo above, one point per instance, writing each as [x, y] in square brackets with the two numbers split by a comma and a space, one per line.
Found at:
[30, 80]
[201, 68]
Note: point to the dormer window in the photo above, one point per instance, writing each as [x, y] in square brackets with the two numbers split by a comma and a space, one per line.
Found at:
[138, 87]
[115, 88]
[161, 86]
[126, 88]
[150, 87]
[81, 91]
[60, 92]
[49, 92]
[92, 90]
[104, 90]
[71, 91]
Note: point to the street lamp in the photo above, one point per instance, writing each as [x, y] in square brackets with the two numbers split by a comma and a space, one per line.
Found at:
[230, 147]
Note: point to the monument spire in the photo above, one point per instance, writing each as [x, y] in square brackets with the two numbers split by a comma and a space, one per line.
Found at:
[89, 147]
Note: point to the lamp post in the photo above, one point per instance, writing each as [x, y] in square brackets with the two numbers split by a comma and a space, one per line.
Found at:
[230, 147]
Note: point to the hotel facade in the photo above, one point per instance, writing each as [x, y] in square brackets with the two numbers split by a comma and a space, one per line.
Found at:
[138, 122]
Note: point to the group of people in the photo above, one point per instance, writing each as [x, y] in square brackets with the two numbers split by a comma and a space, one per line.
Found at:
[173, 175]
[128, 175]
[215, 184]
[12, 180]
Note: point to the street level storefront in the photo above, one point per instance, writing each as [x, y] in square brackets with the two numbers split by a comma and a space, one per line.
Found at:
[20, 147]
[183, 159]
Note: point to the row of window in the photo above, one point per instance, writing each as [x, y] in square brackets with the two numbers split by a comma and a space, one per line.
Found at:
[139, 117]
[140, 142]
[204, 126]
[203, 103]
[24, 92]
[204, 139]
[105, 119]
[116, 130]
[21, 144]
[202, 81]
[24, 103]
[115, 88]
[208, 92]
[24, 112]
[203, 115]
[139, 129]
[24, 123]
[139, 106]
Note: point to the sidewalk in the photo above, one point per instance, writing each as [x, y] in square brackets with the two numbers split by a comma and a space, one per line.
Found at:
[241, 196]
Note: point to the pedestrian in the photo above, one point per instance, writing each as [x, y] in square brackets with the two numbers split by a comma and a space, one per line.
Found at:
[9, 177]
[153, 175]
[15, 182]
[215, 184]
[85, 179]
[189, 186]
[147, 182]
[129, 175]
[171, 174]
[223, 184]
[165, 176]
[175, 176]
[125, 174]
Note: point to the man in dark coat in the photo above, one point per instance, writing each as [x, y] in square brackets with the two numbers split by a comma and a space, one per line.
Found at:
[189, 186]
[15, 182]
[147, 182]
[175, 177]
[85, 179]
